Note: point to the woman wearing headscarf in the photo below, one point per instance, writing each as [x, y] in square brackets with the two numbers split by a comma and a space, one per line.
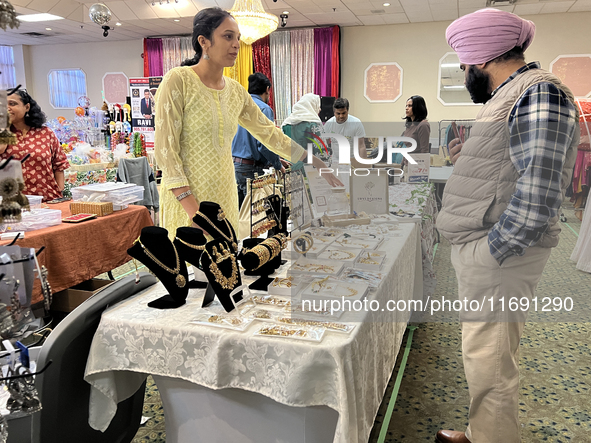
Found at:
[304, 121]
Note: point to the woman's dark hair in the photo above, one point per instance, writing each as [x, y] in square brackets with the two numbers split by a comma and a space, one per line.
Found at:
[36, 117]
[258, 83]
[419, 109]
[204, 23]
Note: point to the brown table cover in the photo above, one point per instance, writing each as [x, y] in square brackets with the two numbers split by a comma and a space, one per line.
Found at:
[75, 252]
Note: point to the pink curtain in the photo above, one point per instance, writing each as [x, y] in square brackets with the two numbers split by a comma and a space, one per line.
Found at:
[336, 62]
[155, 61]
[302, 63]
[323, 61]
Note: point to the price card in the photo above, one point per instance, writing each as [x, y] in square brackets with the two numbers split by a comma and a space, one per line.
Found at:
[420, 172]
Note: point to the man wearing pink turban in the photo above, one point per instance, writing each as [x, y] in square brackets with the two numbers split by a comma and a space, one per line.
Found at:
[500, 207]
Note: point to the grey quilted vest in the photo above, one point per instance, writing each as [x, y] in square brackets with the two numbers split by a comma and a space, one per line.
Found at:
[484, 178]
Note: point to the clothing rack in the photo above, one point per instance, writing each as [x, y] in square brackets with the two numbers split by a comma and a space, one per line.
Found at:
[464, 127]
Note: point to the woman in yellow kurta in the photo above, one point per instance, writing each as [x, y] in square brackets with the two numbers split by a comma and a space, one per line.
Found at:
[198, 111]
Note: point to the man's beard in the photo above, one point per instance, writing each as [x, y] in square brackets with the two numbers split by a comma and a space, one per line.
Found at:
[478, 84]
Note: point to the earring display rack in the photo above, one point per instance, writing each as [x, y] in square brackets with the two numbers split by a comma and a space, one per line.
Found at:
[293, 198]
[271, 219]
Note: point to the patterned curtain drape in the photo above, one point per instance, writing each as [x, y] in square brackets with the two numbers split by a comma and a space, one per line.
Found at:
[335, 84]
[280, 51]
[155, 61]
[187, 50]
[323, 61]
[302, 63]
[242, 67]
[171, 53]
[262, 62]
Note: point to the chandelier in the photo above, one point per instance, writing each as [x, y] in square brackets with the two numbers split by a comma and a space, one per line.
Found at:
[253, 21]
[8, 15]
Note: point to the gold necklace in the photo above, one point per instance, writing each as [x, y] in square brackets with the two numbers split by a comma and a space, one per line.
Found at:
[180, 280]
[225, 282]
[335, 255]
[231, 240]
[199, 248]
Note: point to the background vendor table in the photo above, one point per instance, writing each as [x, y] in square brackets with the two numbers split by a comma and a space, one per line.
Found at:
[346, 373]
[75, 252]
[440, 174]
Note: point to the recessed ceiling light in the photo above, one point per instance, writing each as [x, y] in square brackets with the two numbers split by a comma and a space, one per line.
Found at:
[386, 4]
[176, 20]
[48, 29]
[38, 17]
[285, 12]
[117, 24]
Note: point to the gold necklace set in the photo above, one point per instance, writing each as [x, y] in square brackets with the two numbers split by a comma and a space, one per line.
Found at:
[220, 278]
[221, 216]
[179, 279]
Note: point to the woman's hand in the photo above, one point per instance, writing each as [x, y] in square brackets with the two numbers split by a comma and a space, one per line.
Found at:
[455, 148]
[329, 177]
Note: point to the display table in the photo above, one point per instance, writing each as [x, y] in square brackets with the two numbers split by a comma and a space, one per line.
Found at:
[415, 202]
[75, 252]
[346, 373]
[74, 179]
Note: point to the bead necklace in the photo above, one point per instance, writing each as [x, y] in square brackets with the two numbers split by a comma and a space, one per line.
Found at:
[180, 280]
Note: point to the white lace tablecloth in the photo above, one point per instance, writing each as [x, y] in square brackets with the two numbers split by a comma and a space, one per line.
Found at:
[416, 203]
[347, 373]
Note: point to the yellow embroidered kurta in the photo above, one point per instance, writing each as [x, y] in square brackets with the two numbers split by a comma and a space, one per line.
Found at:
[195, 126]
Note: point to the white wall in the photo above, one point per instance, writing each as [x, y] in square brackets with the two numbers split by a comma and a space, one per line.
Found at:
[418, 47]
[95, 59]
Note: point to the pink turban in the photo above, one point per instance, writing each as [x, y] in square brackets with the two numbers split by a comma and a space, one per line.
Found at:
[488, 33]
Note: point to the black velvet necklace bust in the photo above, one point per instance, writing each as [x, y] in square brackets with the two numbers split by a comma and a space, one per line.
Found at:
[211, 216]
[190, 243]
[220, 266]
[154, 243]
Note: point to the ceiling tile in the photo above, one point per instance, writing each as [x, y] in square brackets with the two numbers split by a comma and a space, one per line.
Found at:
[79, 14]
[528, 9]
[416, 16]
[224, 4]
[121, 10]
[465, 11]
[394, 19]
[372, 19]
[64, 8]
[444, 14]
[21, 2]
[42, 5]
[506, 8]
[394, 8]
[556, 7]
[186, 9]
[581, 5]
[141, 9]
[472, 4]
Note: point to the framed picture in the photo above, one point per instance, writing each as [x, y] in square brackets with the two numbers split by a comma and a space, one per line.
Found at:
[369, 192]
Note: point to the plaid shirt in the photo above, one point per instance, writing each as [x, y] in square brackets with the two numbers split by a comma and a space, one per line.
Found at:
[542, 125]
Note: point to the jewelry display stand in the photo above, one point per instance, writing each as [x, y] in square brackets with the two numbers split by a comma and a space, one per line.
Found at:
[250, 261]
[218, 260]
[190, 243]
[155, 250]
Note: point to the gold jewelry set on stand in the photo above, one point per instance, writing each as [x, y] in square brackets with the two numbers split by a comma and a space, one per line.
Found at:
[179, 279]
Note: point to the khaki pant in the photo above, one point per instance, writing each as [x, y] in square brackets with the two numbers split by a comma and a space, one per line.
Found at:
[490, 338]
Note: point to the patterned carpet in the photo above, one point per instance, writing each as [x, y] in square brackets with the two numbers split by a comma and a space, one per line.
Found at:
[555, 368]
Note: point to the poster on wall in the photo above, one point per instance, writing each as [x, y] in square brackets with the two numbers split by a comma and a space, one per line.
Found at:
[143, 90]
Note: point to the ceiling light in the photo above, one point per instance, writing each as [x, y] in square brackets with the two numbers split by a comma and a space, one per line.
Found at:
[386, 4]
[253, 21]
[285, 12]
[176, 20]
[48, 29]
[450, 65]
[39, 17]
[454, 87]
[117, 24]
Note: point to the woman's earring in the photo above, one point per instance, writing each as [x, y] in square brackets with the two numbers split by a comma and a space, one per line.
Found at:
[27, 114]
[205, 56]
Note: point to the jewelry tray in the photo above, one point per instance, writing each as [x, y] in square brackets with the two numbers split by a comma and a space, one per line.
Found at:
[315, 267]
[345, 220]
[336, 253]
[377, 256]
[333, 288]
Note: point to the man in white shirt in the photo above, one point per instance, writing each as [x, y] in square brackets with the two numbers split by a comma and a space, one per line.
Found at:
[345, 124]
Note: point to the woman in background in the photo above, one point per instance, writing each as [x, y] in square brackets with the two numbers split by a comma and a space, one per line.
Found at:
[304, 121]
[43, 171]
